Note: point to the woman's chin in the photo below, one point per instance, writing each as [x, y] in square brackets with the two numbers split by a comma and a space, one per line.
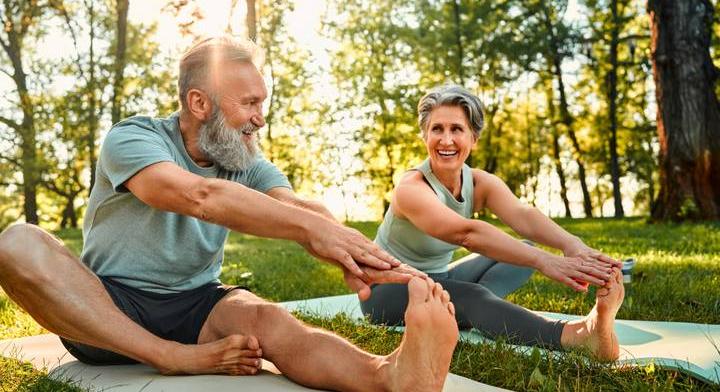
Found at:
[447, 163]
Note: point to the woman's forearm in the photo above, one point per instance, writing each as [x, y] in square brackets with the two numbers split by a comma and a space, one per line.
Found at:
[492, 242]
[539, 228]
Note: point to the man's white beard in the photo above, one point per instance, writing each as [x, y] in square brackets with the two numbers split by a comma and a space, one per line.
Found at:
[228, 147]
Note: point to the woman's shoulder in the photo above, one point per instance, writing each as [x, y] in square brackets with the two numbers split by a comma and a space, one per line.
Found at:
[481, 177]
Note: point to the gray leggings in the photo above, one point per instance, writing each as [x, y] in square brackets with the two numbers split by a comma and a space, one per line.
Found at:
[477, 286]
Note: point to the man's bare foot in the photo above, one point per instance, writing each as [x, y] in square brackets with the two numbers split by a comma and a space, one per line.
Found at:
[422, 361]
[596, 331]
[234, 355]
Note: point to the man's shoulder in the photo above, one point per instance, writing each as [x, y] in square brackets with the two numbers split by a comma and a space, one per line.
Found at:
[160, 125]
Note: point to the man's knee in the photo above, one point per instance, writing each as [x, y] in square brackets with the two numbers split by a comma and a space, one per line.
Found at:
[19, 247]
[269, 317]
[12, 238]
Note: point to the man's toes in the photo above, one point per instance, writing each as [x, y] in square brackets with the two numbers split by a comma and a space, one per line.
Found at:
[417, 291]
[445, 297]
[438, 291]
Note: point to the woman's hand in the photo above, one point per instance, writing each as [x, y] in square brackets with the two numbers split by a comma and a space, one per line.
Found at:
[590, 255]
[575, 271]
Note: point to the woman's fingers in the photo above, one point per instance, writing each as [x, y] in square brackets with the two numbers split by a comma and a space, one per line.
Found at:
[585, 277]
[573, 284]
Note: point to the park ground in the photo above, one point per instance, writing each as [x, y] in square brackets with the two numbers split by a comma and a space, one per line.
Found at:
[677, 279]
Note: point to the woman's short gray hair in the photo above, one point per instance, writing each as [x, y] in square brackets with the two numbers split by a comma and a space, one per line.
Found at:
[452, 95]
[200, 61]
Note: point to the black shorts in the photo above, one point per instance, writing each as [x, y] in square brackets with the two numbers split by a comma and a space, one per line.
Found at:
[177, 317]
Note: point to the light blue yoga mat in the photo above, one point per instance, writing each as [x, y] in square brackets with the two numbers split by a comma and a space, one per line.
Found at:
[688, 347]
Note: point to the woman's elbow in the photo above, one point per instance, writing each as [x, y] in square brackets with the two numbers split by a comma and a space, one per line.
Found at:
[461, 233]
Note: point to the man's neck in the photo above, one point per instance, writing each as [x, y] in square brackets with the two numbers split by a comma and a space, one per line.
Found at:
[190, 133]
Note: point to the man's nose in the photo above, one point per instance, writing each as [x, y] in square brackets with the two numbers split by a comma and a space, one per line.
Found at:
[258, 120]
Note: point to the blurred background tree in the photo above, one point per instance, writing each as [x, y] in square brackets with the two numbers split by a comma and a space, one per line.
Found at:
[592, 107]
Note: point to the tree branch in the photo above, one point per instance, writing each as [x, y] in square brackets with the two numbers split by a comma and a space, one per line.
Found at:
[10, 123]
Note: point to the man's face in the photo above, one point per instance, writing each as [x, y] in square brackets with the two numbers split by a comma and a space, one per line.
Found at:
[229, 136]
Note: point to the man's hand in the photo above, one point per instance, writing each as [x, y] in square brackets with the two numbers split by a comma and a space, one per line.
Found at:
[575, 271]
[361, 285]
[349, 248]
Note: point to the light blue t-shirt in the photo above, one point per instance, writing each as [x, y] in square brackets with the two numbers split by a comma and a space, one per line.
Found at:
[143, 247]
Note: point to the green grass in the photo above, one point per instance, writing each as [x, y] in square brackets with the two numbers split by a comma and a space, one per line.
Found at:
[677, 278]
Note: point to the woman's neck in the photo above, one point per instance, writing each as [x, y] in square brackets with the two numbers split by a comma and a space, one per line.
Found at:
[451, 179]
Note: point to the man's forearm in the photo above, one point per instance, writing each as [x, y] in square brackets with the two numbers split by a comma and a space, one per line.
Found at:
[245, 210]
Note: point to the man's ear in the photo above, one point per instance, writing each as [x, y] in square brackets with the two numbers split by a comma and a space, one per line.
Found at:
[199, 104]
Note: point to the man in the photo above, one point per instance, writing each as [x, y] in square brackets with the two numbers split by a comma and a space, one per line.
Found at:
[147, 288]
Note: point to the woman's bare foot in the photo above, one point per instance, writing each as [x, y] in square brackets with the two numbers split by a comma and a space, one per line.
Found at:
[422, 361]
[596, 331]
[234, 355]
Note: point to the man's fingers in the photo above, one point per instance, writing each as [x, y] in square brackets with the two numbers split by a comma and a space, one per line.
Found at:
[385, 256]
[349, 263]
[387, 276]
[406, 269]
[367, 257]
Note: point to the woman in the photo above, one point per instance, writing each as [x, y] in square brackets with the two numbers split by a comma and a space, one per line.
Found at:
[430, 217]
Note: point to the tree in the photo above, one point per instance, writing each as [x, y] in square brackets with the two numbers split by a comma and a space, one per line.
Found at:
[688, 117]
[121, 11]
[20, 20]
[555, 40]
[371, 68]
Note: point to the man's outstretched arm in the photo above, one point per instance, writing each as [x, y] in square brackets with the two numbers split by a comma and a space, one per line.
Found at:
[168, 187]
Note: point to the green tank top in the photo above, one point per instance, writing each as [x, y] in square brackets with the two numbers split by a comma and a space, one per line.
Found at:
[403, 240]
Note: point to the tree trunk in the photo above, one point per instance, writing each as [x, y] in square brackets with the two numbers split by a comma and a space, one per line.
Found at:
[460, 55]
[688, 110]
[565, 116]
[560, 173]
[28, 136]
[119, 66]
[92, 99]
[251, 21]
[69, 217]
[612, 101]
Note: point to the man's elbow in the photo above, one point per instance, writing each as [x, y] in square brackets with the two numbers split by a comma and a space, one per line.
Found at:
[198, 199]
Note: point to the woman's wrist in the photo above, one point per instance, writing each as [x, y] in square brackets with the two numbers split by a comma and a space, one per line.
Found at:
[572, 245]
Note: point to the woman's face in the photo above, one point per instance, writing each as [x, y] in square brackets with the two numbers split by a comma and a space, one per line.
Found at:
[448, 139]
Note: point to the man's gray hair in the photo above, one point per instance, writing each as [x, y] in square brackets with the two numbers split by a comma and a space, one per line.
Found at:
[452, 95]
[202, 60]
